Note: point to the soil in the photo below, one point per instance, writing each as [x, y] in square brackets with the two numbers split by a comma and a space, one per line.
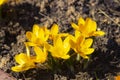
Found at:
[20, 15]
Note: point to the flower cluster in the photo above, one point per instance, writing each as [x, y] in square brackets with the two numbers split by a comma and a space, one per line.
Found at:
[45, 42]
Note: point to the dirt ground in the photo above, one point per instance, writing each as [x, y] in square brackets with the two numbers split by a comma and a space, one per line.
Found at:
[19, 17]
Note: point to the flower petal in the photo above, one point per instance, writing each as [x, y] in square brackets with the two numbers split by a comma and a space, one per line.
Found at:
[87, 43]
[54, 29]
[41, 56]
[41, 34]
[83, 55]
[21, 58]
[30, 44]
[63, 34]
[23, 67]
[72, 44]
[76, 27]
[88, 51]
[66, 44]
[36, 30]
[65, 57]
[98, 33]
[87, 27]
[30, 36]
[18, 68]
[48, 46]
[80, 41]
[77, 34]
[81, 21]
[55, 52]
[93, 26]
[57, 42]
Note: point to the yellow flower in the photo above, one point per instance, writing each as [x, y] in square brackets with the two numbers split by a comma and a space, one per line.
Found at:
[87, 27]
[2, 2]
[25, 62]
[82, 46]
[41, 56]
[54, 32]
[60, 48]
[38, 36]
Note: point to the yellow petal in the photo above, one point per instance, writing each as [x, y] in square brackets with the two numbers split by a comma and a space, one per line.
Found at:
[36, 29]
[40, 42]
[57, 42]
[30, 36]
[18, 68]
[98, 33]
[93, 26]
[88, 51]
[65, 57]
[41, 34]
[76, 27]
[87, 27]
[41, 56]
[72, 38]
[84, 56]
[66, 44]
[54, 29]
[80, 41]
[2, 2]
[21, 58]
[87, 43]
[48, 46]
[63, 34]
[72, 42]
[59, 53]
[77, 34]
[30, 44]
[55, 52]
[23, 67]
[27, 50]
[46, 33]
[81, 21]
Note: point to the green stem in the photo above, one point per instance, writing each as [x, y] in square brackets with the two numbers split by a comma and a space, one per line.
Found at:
[96, 76]
[78, 57]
